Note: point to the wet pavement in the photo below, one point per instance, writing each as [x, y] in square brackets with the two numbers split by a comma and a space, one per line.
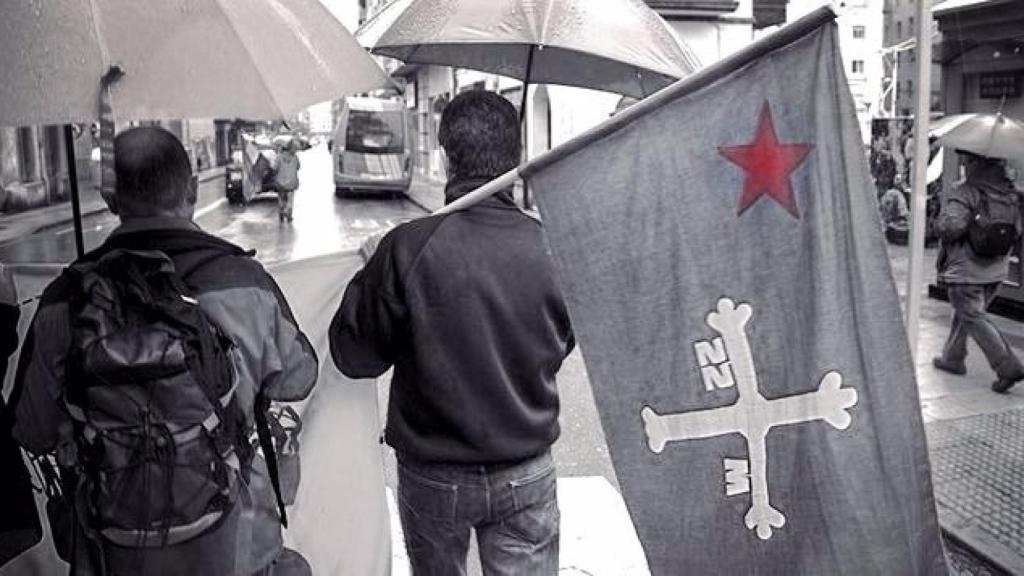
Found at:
[323, 224]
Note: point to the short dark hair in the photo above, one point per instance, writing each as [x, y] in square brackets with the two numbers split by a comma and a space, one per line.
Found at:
[153, 171]
[479, 132]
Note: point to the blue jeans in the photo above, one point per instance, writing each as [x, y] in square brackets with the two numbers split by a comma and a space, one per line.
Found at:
[512, 507]
[969, 302]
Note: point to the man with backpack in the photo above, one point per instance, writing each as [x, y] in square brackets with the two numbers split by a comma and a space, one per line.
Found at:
[979, 225]
[150, 363]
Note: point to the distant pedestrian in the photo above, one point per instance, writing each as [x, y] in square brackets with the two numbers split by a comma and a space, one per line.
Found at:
[979, 223]
[286, 178]
[149, 363]
[466, 308]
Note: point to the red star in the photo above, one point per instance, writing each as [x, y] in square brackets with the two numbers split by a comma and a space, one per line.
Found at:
[767, 165]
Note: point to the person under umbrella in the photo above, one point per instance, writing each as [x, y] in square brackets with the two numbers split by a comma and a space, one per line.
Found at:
[979, 224]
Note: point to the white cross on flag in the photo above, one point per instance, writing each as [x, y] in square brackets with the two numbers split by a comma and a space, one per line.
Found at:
[720, 250]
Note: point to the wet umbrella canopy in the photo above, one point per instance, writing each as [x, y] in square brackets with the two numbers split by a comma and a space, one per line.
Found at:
[181, 58]
[992, 135]
[618, 46]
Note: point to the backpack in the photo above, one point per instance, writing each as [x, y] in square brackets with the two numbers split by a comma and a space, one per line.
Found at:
[287, 175]
[159, 433]
[994, 230]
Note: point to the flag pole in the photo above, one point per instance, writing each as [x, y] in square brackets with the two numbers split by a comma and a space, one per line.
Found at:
[919, 194]
[705, 77]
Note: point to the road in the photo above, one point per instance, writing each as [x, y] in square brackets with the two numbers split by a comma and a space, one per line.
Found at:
[323, 224]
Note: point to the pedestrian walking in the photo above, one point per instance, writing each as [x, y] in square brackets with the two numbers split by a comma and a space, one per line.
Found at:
[147, 366]
[286, 178]
[979, 223]
[466, 309]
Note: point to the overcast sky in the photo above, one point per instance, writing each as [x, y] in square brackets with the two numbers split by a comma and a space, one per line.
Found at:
[347, 11]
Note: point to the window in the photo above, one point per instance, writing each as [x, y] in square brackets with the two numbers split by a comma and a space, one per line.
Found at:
[858, 31]
[858, 67]
[910, 25]
[26, 154]
[899, 30]
[375, 132]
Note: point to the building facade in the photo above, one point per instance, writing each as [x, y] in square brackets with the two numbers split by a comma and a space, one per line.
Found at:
[860, 24]
[900, 59]
[982, 58]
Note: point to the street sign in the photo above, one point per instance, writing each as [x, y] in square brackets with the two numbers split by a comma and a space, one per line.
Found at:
[1000, 84]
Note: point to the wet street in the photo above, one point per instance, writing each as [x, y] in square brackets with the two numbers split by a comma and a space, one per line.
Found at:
[323, 224]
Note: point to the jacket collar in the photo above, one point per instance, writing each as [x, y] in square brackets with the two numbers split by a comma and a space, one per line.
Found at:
[154, 223]
[457, 188]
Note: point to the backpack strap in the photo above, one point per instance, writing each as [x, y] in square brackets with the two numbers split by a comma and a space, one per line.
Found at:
[267, 443]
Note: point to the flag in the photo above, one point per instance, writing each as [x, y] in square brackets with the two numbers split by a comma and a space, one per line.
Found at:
[723, 262]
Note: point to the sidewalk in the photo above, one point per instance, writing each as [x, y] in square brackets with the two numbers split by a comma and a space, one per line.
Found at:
[975, 436]
[18, 225]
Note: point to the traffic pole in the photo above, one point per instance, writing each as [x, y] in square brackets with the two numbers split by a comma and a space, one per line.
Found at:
[919, 194]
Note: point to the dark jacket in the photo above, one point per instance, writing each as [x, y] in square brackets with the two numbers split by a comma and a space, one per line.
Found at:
[957, 262]
[19, 522]
[237, 293]
[466, 308]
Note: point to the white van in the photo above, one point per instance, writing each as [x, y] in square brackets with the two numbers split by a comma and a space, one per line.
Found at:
[371, 148]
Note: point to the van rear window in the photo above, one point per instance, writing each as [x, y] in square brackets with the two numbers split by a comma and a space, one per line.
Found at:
[375, 132]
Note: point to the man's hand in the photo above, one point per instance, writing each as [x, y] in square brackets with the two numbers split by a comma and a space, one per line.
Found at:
[8, 290]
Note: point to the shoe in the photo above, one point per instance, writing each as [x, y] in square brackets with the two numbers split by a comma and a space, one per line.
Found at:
[958, 369]
[1003, 385]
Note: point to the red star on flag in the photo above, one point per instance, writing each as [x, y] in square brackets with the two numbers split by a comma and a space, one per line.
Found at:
[767, 164]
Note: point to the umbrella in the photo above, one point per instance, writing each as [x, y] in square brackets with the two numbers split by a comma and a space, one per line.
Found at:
[992, 135]
[181, 59]
[617, 46]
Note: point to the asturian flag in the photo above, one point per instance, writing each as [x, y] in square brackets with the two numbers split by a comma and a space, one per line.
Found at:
[721, 255]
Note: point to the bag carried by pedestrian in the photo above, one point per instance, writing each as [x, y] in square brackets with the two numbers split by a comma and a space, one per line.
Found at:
[995, 224]
[159, 438]
[286, 176]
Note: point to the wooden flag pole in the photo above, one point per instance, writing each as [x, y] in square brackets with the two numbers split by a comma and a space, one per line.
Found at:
[784, 36]
[919, 194]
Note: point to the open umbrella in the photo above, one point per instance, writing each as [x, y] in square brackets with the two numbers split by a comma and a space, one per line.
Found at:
[180, 58]
[617, 46]
[992, 135]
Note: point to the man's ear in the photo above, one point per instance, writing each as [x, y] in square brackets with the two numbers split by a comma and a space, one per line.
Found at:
[193, 190]
[111, 201]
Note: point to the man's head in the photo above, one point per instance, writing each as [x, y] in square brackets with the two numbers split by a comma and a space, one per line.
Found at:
[154, 176]
[480, 135]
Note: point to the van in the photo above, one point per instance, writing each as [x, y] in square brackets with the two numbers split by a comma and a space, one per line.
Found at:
[371, 147]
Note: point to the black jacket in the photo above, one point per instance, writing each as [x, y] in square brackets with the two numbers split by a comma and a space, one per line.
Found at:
[466, 308]
[19, 521]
